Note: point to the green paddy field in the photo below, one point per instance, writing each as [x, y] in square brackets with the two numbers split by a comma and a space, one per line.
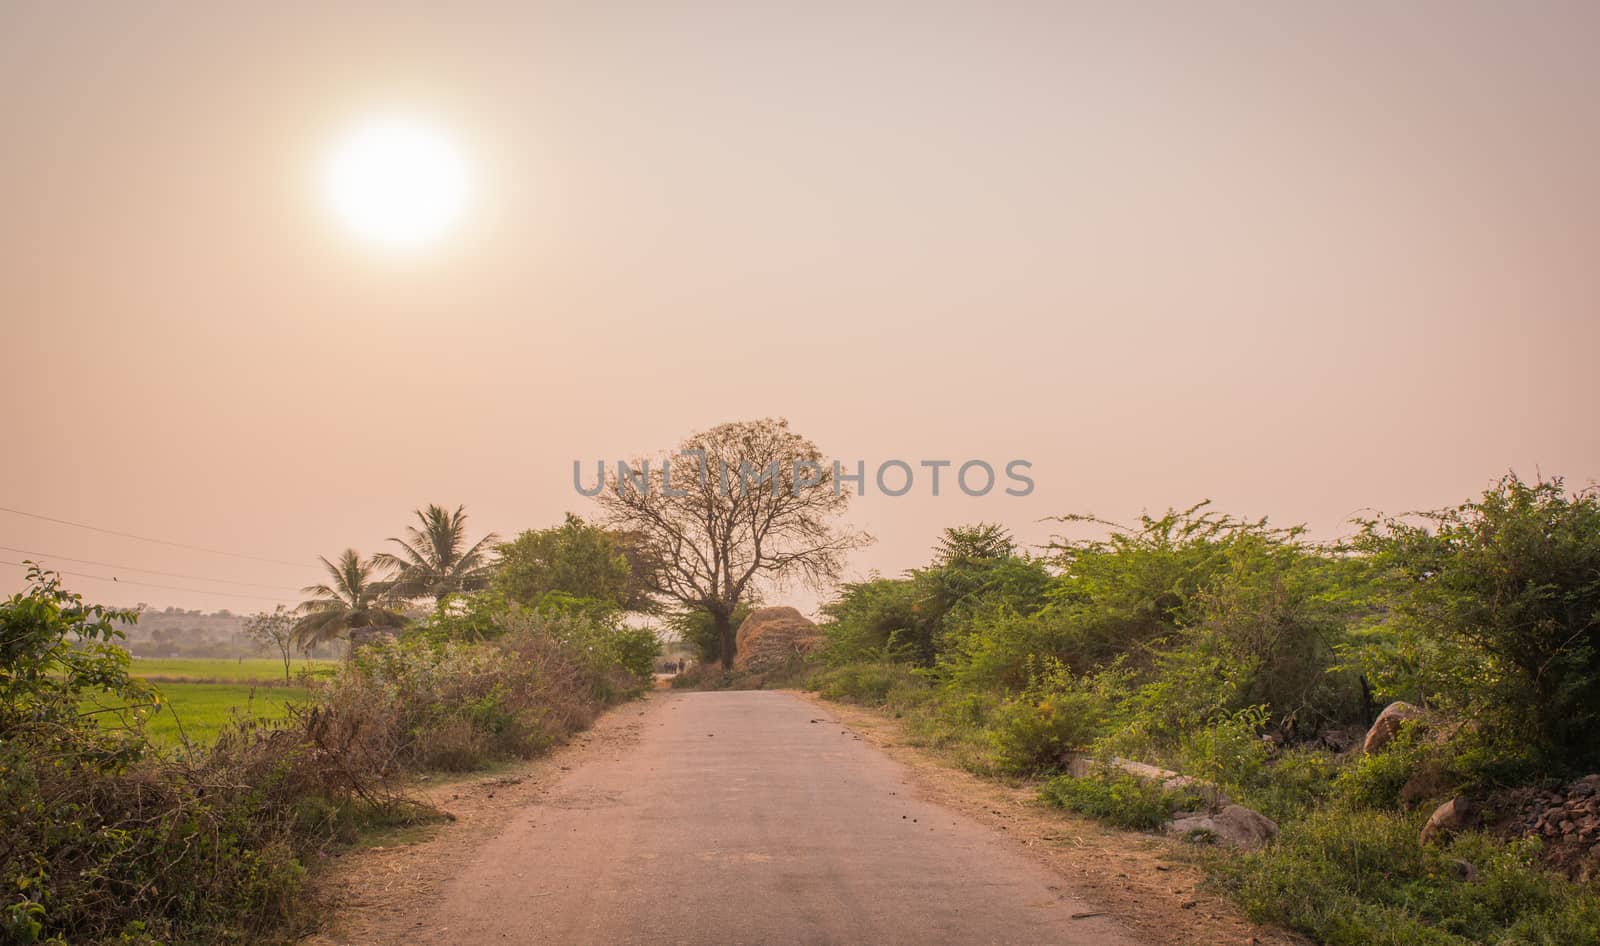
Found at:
[201, 696]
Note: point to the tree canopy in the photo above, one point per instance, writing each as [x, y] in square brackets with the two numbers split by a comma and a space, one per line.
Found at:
[435, 560]
[575, 558]
[750, 515]
[353, 601]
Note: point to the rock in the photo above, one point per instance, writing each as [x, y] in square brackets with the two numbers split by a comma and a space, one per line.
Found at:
[1235, 826]
[1463, 870]
[769, 637]
[1447, 819]
[1079, 765]
[1387, 725]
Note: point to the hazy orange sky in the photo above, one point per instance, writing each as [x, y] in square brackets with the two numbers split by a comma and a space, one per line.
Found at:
[1300, 261]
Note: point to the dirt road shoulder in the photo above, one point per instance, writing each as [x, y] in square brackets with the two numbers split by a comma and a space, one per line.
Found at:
[381, 893]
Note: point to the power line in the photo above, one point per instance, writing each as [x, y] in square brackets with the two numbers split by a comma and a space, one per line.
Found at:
[147, 571]
[147, 584]
[145, 538]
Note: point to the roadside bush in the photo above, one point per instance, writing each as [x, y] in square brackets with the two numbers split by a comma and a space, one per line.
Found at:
[1296, 781]
[1349, 878]
[1243, 655]
[613, 662]
[954, 723]
[1055, 714]
[456, 706]
[875, 620]
[1373, 782]
[105, 840]
[165, 849]
[993, 648]
[1119, 798]
[1229, 751]
[867, 683]
[1493, 613]
[975, 569]
[635, 651]
[464, 618]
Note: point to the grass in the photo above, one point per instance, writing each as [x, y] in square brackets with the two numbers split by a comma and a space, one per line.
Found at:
[264, 671]
[1360, 878]
[1122, 800]
[201, 710]
[200, 697]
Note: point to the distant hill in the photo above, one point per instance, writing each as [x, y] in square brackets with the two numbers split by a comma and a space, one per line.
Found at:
[174, 632]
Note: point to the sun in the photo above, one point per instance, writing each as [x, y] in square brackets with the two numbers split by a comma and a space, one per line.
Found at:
[397, 182]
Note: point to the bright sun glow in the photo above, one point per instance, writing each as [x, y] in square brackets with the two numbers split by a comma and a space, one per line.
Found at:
[397, 182]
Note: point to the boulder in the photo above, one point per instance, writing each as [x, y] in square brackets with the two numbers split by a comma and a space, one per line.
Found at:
[1387, 725]
[769, 637]
[1235, 826]
[1447, 819]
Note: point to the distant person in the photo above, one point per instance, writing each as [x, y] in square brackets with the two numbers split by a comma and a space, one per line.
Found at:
[680, 664]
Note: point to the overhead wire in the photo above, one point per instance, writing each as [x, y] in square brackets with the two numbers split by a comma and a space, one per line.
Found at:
[146, 538]
[47, 556]
[150, 584]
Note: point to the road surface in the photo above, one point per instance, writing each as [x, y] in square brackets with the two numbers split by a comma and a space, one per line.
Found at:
[753, 818]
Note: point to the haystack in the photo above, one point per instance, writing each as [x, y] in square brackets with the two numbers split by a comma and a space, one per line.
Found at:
[770, 636]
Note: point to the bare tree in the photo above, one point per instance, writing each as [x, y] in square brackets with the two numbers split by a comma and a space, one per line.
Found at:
[274, 629]
[739, 503]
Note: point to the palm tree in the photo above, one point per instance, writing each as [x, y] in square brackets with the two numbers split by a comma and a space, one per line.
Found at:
[353, 603]
[433, 560]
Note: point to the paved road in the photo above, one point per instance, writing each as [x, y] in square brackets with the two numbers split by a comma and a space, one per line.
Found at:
[750, 818]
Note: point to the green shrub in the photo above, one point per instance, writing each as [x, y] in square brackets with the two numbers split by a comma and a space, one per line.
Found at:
[458, 706]
[952, 724]
[1031, 736]
[1353, 878]
[1493, 612]
[635, 650]
[697, 628]
[867, 683]
[576, 559]
[103, 840]
[1119, 798]
[1055, 714]
[993, 648]
[1293, 783]
[1191, 638]
[1372, 782]
[1229, 751]
[976, 569]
